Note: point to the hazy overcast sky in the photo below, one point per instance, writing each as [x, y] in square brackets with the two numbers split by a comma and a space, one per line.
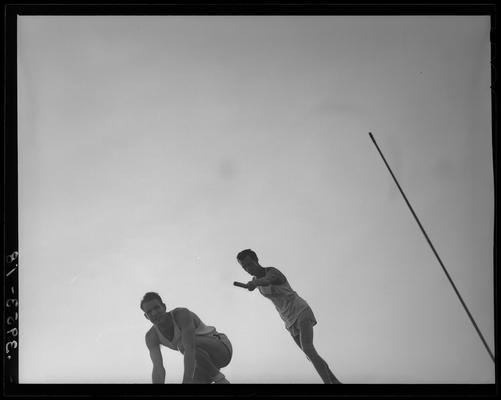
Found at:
[153, 149]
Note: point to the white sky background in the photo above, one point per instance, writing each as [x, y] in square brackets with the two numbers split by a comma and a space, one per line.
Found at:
[153, 149]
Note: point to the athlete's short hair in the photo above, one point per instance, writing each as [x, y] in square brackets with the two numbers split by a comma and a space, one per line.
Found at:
[150, 296]
[247, 252]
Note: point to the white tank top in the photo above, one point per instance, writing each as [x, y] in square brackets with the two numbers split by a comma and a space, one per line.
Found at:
[287, 302]
[175, 344]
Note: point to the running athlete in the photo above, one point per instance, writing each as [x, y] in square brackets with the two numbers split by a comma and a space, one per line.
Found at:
[293, 309]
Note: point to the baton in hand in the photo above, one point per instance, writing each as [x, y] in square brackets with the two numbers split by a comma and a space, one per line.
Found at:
[240, 284]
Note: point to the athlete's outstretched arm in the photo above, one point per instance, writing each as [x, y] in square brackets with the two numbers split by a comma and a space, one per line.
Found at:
[273, 277]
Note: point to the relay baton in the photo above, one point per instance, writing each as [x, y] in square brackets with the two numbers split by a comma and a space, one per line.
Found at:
[240, 284]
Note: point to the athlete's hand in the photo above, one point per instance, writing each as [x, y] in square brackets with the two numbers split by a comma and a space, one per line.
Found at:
[251, 285]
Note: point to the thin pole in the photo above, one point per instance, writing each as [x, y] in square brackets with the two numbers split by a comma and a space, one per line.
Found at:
[434, 251]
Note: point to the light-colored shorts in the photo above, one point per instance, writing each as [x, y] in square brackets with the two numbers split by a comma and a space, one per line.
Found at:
[306, 314]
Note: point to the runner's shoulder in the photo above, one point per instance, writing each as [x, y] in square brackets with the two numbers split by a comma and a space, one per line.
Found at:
[180, 312]
[273, 270]
[183, 315]
[151, 338]
[277, 276]
[180, 309]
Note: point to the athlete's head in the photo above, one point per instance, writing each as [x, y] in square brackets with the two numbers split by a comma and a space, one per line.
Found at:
[153, 306]
[249, 261]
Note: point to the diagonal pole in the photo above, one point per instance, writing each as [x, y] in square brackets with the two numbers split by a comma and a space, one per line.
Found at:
[434, 251]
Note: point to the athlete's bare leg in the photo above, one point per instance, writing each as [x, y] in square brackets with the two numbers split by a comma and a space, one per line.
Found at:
[305, 341]
[333, 378]
[210, 355]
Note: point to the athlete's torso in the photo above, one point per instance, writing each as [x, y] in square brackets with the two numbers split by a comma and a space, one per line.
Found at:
[287, 302]
[169, 334]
